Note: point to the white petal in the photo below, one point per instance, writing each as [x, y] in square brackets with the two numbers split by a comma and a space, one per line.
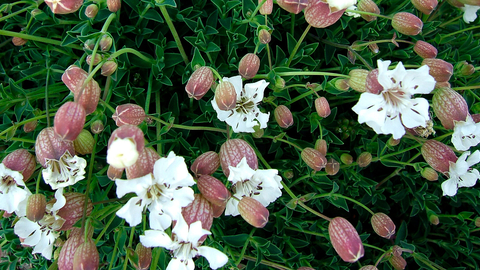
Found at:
[449, 187]
[181, 229]
[172, 171]
[256, 90]
[33, 239]
[153, 238]
[45, 245]
[468, 179]
[470, 13]
[263, 119]
[137, 185]
[419, 81]
[122, 153]
[159, 220]
[24, 227]
[232, 207]
[59, 203]
[10, 201]
[474, 158]
[240, 172]
[394, 126]
[417, 115]
[214, 257]
[221, 114]
[132, 211]
[17, 177]
[239, 123]
[237, 83]
[195, 232]
[176, 264]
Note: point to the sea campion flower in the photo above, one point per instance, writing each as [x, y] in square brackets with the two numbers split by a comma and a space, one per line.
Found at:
[11, 194]
[262, 185]
[184, 245]
[65, 171]
[470, 13]
[393, 109]
[164, 192]
[466, 134]
[246, 113]
[460, 173]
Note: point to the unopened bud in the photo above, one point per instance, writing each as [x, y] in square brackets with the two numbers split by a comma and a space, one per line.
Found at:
[347, 159]
[64, 6]
[439, 69]
[279, 82]
[114, 5]
[393, 142]
[434, 220]
[124, 146]
[106, 43]
[206, 164]
[369, 267]
[199, 83]
[332, 167]
[213, 190]
[383, 225]
[322, 107]
[342, 84]
[258, 132]
[319, 15]
[218, 210]
[321, 146]
[114, 173]
[425, 49]
[84, 143]
[425, 6]
[364, 159]
[73, 209]
[17, 41]
[464, 68]
[449, 106]
[429, 174]
[314, 159]
[232, 152]
[225, 96]
[91, 11]
[438, 155]
[108, 68]
[398, 262]
[293, 6]
[368, 6]
[266, 8]
[75, 239]
[253, 212]
[36, 206]
[30, 126]
[129, 114]
[358, 79]
[89, 44]
[144, 165]
[283, 116]
[345, 240]
[144, 257]
[371, 83]
[374, 48]
[21, 161]
[49, 146]
[264, 36]
[477, 221]
[69, 121]
[249, 65]
[97, 127]
[288, 174]
[97, 60]
[199, 209]
[86, 256]
[407, 23]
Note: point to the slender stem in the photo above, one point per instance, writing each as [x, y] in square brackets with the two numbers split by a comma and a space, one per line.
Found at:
[460, 31]
[89, 179]
[39, 39]
[15, 13]
[149, 92]
[46, 95]
[285, 141]
[299, 42]
[22, 123]
[368, 13]
[311, 73]
[174, 33]
[132, 51]
[107, 88]
[292, 24]
[37, 187]
[107, 23]
[397, 170]
[346, 198]
[159, 124]
[313, 211]
[216, 73]
[269, 57]
[114, 255]
[17, 139]
[188, 127]
[242, 253]
[107, 105]
[105, 228]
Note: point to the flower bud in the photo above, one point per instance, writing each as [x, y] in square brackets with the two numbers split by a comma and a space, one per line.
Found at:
[425, 6]
[434, 220]
[345, 240]
[283, 116]
[225, 96]
[319, 15]
[84, 143]
[264, 36]
[97, 127]
[73, 209]
[73, 77]
[440, 70]
[199, 83]
[293, 6]
[397, 262]
[232, 152]
[322, 107]
[258, 132]
[49, 146]
[249, 65]
[89, 44]
[91, 11]
[253, 212]
[332, 167]
[114, 173]
[279, 82]
[321, 146]
[425, 49]
[266, 8]
[342, 84]
[86, 256]
[364, 159]
[128, 114]
[106, 43]
[21, 161]
[346, 158]
[368, 6]
[109, 68]
[438, 155]
[36, 205]
[144, 165]
[477, 222]
[114, 5]
[369, 267]
[358, 80]
[144, 257]
[314, 159]
[476, 117]
[374, 48]
[97, 60]
[75, 239]
[30, 126]
[124, 146]
[64, 6]
[218, 210]
[429, 174]
[393, 142]
[464, 68]
[206, 164]
[17, 41]
[38, 14]
[199, 209]
[407, 23]
[449, 106]
[69, 121]
[383, 225]
[371, 82]
[213, 190]
[88, 96]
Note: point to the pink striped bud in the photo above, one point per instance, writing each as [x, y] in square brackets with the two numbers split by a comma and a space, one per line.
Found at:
[425, 6]
[407, 23]
[253, 212]
[319, 15]
[109, 68]
[264, 36]
[429, 174]
[64, 6]
[199, 209]
[449, 106]
[249, 65]
[69, 121]
[97, 59]
[17, 41]
[206, 164]
[358, 79]
[438, 155]
[439, 69]
[73, 209]
[213, 190]
[232, 152]
[199, 83]
[218, 210]
[97, 127]
[266, 8]
[369, 267]
[364, 159]
[332, 167]
[36, 205]
[21, 161]
[368, 6]
[91, 11]
[129, 114]
[283, 116]
[144, 257]
[49, 146]
[75, 239]
[30, 126]
[144, 165]
[225, 96]
[425, 49]
[314, 159]
[321, 146]
[345, 240]
[86, 256]
[398, 262]
[106, 43]
[114, 5]
[84, 143]
[124, 146]
[293, 6]
[88, 96]
[322, 107]
[114, 173]
[73, 77]
[383, 225]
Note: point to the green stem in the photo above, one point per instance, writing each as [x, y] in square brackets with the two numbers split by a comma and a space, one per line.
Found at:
[187, 127]
[216, 73]
[149, 93]
[22, 123]
[15, 13]
[37, 186]
[311, 73]
[89, 179]
[107, 23]
[397, 171]
[114, 255]
[46, 95]
[164, 11]
[299, 42]
[105, 228]
[17, 139]
[159, 124]
[285, 141]
[242, 253]
[132, 51]
[313, 211]
[346, 198]
[39, 39]
[107, 105]
[458, 32]
[269, 56]
[367, 13]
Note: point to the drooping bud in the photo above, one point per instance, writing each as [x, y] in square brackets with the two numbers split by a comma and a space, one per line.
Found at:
[322, 107]
[144, 165]
[128, 114]
[283, 116]
[383, 225]
[88, 96]
[86, 256]
[477, 222]
[319, 15]
[449, 106]
[73, 77]
[199, 209]
[358, 79]
[440, 70]
[106, 42]
[342, 84]
[89, 44]
[346, 158]
[97, 127]
[91, 11]
[84, 143]
[144, 257]
[73, 209]
[206, 164]
[425, 6]
[17, 41]
[463, 68]
[314, 159]
[253, 212]
[371, 83]
[266, 8]
[69, 121]
[425, 49]
[249, 65]
[97, 60]
[199, 83]
[438, 155]
[374, 48]
[407, 23]
[49, 146]
[369, 267]
[264, 36]
[21, 161]
[213, 190]
[293, 6]
[75, 239]
[109, 68]
[398, 262]
[429, 174]
[393, 142]
[332, 167]
[218, 210]
[114, 5]
[232, 152]
[36, 206]
[124, 146]
[30, 126]
[225, 96]
[364, 159]
[345, 240]
[368, 6]
[321, 146]
[114, 173]
[434, 220]
[64, 6]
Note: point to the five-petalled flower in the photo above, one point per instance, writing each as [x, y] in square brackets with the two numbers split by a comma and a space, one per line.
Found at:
[460, 174]
[466, 134]
[11, 194]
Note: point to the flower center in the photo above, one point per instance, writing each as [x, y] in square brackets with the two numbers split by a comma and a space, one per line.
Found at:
[64, 169]
[244, 105]
[247, 187]
[394, 97]
[156, 191]
[184, 252]
[6, 183]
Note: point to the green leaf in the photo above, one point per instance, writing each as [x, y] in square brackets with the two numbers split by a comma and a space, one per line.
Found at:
[236, 240]
[153, 15]
[168, 3]
[339, 202]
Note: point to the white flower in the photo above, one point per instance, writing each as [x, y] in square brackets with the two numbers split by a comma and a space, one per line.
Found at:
[11, 195]
[164, 193]
[466, 134]
[393, 108]
[64, 172]
[262, 185]
[461, 175]
[242, 118]
[122, 153]
[470, 13]
[352, 14]
[184, 245]
[340, 4]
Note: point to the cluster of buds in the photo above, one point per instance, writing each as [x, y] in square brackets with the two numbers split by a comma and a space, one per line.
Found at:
[87, 94]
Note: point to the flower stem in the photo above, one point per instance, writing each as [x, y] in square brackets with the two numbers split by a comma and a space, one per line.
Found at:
[346, 198]
[314, 212]
[311, 73]
[47, 114]
[39, 39]
[105, 228]
[368, 13]
[242, 253]
[149, 92]
[268, 263]
[174, 33]
[159, 124]
[89, 179]
[285, 141]
[299, 42]
[187, 127]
